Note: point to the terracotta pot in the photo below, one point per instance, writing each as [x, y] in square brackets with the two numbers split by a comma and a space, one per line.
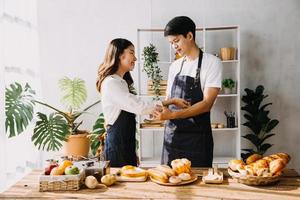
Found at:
[77, 145]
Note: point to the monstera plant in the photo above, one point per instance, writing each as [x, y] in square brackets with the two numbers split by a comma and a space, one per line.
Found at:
[51, 130]
[257, 121]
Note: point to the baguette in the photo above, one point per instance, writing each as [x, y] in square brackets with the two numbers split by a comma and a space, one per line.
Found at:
[158, 175]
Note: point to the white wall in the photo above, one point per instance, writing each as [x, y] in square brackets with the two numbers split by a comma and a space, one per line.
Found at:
[75, 33]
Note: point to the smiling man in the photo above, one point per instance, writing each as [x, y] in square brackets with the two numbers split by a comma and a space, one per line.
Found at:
[196, 77]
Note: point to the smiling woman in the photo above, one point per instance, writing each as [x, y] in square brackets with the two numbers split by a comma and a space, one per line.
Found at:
[120, 104]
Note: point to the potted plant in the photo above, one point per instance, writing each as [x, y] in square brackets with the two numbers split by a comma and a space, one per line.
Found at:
[257, 121]
[228, 84]
[50, 130]
[150, 66]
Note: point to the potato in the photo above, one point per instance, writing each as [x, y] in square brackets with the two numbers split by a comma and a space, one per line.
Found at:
[108, 179]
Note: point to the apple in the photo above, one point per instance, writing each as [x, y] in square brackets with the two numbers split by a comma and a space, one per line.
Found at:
[49, 168]
[71, 170]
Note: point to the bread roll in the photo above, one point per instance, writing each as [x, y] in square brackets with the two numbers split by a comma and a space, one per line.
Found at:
[253, 158]
[174, 179]
[181, 165]
[158, 175]
[166, 169]
[235, 164]
[131, 171]
[276, 166]
[185, 176]
[250, 170]
[284, 156]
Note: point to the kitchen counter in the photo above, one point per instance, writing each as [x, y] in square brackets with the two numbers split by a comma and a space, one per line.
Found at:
[286, 188]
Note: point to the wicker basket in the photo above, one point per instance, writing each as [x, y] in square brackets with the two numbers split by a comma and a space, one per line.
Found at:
[60, 183]
[253, 180]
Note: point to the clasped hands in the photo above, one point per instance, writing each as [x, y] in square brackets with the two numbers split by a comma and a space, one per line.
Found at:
[164, 113]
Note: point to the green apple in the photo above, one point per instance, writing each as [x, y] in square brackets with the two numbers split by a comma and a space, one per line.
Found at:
[71, 170]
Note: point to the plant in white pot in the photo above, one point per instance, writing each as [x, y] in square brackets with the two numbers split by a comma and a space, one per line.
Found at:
[150, 57]
[50, 130]
[228, 84]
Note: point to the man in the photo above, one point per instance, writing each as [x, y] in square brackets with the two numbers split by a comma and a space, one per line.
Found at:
[196, 77]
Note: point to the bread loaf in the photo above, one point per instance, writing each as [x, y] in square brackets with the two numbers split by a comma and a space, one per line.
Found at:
[253, 158]
[166, 169]
[181, 165]
[158, 175]
[236, 164]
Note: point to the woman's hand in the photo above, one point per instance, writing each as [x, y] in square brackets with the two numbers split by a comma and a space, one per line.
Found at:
[180, 103]
[164, 114]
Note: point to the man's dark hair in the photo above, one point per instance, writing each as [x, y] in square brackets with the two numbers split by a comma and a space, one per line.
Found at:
[180, 25]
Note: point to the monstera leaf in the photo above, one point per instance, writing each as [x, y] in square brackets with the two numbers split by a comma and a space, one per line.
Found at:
[50, 132]
[75, 93]
[98, 130]
[19, 104]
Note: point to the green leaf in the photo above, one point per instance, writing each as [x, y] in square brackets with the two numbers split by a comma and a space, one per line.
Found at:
[253, 126]
[272, 124]
[248, 150]
[19, 104]
[265, 137]
[50, 132]
[252, 138]
[263, 148]
[75, 93]
[98, 130]
[264, 106]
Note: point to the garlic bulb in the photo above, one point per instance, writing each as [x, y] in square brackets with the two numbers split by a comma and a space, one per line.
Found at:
[91, 182]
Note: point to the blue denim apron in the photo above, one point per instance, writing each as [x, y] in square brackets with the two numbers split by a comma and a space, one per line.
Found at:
[120, 141]
[189, 138]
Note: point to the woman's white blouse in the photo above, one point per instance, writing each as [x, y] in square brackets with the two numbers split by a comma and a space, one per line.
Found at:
[115, 96]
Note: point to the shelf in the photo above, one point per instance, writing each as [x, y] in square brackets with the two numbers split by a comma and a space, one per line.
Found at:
[228, 95]
[229, 61]
[220, 28]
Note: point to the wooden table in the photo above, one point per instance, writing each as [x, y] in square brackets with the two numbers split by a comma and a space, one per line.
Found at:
[287, 188]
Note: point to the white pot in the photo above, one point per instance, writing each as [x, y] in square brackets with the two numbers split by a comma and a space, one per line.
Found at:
[227, 90]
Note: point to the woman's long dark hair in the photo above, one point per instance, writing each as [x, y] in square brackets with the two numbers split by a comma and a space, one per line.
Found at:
[111, 61]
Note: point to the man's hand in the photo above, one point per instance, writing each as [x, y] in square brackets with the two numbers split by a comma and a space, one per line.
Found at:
[165, 114]
[180, 103]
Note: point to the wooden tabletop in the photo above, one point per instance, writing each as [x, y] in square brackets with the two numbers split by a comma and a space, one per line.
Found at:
[286, 188]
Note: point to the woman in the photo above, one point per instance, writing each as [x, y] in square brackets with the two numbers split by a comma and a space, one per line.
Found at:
[119, 103]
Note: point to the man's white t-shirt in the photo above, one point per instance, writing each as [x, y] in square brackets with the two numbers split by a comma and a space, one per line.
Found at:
[210, 73]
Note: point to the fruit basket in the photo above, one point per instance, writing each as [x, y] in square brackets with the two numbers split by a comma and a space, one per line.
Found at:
[254, 180]
[60, 183]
